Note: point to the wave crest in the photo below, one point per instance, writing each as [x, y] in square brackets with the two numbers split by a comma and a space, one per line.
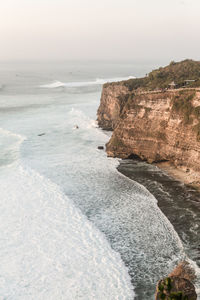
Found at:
[10, 146]
[98, 81]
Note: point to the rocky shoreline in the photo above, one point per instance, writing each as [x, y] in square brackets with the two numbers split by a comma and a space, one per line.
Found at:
[174, 199]
[178, 284]
[181, 174]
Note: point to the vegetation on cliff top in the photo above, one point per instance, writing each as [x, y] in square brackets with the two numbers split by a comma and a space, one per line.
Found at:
[183, 74]
[161, 78]
[178, 72]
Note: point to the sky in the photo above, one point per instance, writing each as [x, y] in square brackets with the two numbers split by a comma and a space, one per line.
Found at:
[99, 30]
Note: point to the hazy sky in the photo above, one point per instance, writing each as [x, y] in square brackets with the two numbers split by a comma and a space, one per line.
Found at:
[100, 29]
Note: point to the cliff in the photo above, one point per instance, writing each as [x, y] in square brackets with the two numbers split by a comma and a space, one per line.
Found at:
[155, 125]
[113, 99]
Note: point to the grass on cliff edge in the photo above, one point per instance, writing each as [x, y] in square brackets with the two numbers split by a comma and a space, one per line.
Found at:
[162, 77]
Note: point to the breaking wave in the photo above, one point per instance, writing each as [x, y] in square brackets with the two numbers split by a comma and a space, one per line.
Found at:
[10, 143]
[98, 81]
[49, 249]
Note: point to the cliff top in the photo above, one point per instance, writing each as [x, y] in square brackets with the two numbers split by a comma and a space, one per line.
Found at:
[176, 75]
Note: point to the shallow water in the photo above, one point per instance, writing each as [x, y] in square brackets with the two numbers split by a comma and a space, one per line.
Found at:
[74, 227]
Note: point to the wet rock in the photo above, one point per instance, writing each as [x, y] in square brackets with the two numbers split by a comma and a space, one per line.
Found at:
[175, 288]
[41, 134]
[178, 285]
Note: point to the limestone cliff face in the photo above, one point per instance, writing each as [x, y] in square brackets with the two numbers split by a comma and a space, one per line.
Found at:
[113, 98]
[156, 126]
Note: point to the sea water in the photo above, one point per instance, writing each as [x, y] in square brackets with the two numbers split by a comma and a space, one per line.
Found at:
[71, 226]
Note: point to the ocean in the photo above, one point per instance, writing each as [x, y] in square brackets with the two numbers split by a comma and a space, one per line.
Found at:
[72, 226]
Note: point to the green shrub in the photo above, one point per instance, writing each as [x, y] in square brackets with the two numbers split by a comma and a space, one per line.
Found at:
[162, 77]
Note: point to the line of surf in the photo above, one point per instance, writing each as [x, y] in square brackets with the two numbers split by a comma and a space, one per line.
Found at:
[173, 232]
[50, 250]
[10, 146]
[98, 81]
[12, 134]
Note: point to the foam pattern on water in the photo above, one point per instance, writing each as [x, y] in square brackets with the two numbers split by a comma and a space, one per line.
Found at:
[9, 146]
[49, 250]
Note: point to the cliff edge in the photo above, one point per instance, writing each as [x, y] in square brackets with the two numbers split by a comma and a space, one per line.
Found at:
[155, 119]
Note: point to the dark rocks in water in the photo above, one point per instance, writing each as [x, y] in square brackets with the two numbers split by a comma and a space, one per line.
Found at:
[178, 285]
[41, 134]
[100, 147]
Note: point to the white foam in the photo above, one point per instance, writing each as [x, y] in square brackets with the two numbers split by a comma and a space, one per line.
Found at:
[12, 134]
[53, 85]
[49, 250]
[98, 81]
[79, 118]
[9, 146]
[197, 273]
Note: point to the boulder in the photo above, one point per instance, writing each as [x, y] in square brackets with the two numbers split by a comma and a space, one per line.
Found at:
[178, 285]
[175, 288]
